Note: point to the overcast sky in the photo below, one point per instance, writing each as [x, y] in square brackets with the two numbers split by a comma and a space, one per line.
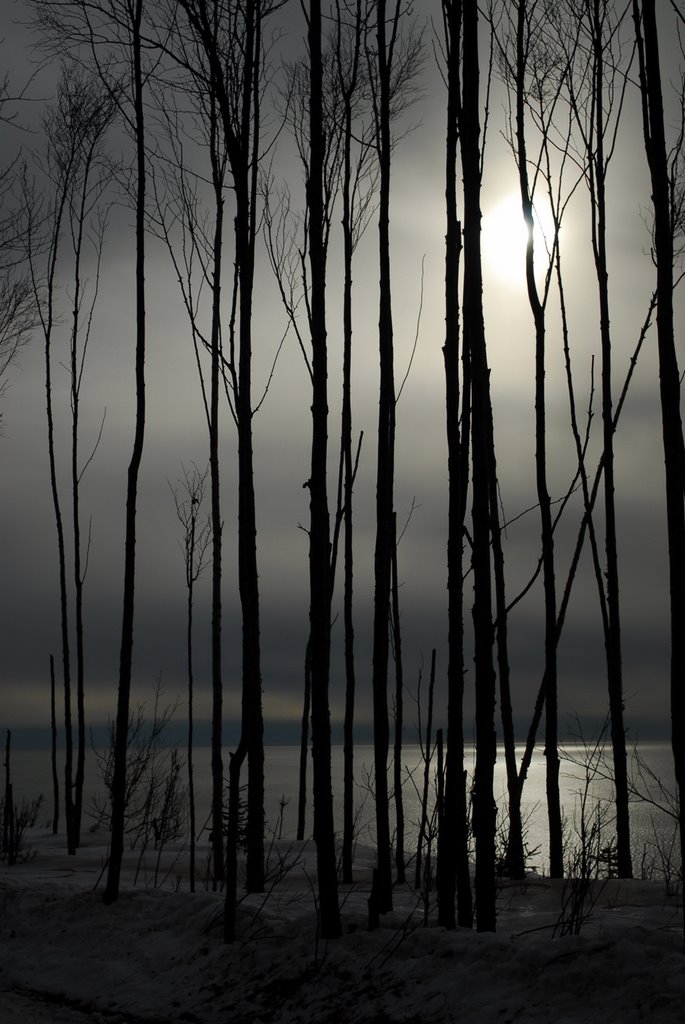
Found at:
[176, 435]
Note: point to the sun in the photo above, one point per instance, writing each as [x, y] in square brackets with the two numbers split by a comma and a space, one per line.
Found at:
[504, 238]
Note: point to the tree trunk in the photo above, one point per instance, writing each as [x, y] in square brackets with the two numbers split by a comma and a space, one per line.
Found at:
[384, 476]
[245, 179]
[252, 679]
[547, 534]
[453, 837]
[669, 375]
[612, 637]
[348, 484]
[235, 88]
[217, 763]
[61, 552]
[515, 859]
[420, 879]
[53, 750]
[439, 796]
[126, 652]
[232, 838]
[75, 373]
[399, 713]
[319, 534]
[9, 843]
[484, 808]
[304, 744]
[189, 654]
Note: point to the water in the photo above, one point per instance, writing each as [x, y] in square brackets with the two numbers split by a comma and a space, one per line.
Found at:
[652, 830]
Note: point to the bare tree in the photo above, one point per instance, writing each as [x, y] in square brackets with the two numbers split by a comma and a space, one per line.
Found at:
[484, 808]
[529, 67]
[591, 492]
[80, 171]
[198, 259]
[537, 305]
[453, 837]
[560, 104]
[396, 638]
[127, 22]
[427, 751]
[87, 223]
[385, 457]
[47, 318]
[596, 90]
[357, 190]
[17, 318]
[196, 539]
[108, 34]
[8, 847]
[53, 749]
[319, 529]
[647, 37]
[348, 175]
[17, 299]
[289, 237]
[229, 38]
[393, 57]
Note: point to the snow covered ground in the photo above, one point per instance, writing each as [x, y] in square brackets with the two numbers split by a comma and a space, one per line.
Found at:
[157, 957]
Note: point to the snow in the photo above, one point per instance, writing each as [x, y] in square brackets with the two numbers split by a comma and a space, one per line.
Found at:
[157, 957]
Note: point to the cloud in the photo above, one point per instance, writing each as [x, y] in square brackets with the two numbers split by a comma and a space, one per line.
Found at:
[176, 434]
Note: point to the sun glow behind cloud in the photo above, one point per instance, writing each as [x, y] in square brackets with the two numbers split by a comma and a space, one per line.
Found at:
[504, 237]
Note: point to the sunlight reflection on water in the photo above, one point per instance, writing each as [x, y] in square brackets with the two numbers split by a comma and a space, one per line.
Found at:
[31, 774]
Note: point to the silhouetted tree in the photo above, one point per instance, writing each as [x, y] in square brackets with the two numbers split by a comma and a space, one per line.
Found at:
[597, 105]
[109, 35]
[357, 190]
[453, 837]
[385, 456]
[9, 842]
[427, 750]
[348, 174]
[79, 170]
[484, 808]
[319, 530]
[198, 258]
[559, 55]
[528, 66]
[53, 749]
[230, 38]
[196, 539]
[647, 36]
[17, 301]
[289, 239]
[131, 27]
[393, 57]
[396, 635]
[590, 497]
[47, 318]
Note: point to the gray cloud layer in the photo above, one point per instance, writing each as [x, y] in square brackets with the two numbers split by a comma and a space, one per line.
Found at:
[176, 434]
